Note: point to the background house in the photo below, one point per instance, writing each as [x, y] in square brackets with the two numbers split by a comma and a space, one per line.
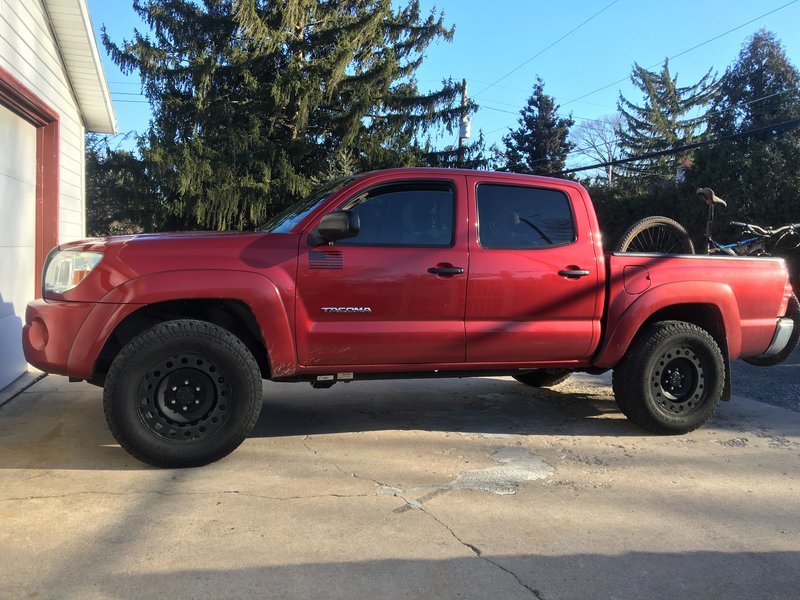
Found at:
[52, 91]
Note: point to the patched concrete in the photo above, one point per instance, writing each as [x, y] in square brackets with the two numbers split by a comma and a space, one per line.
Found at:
[403, 489]
[517, 466]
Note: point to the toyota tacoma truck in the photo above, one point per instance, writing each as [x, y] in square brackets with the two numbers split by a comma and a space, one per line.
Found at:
[396, 273]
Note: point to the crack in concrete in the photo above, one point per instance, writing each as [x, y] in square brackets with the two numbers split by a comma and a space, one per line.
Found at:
[344, 472]
[478, 552]
[163, 493]
[309, 448]
[357, 476]
[417, 504]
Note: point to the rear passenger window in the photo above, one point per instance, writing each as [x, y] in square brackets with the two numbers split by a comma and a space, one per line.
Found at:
[511, 216]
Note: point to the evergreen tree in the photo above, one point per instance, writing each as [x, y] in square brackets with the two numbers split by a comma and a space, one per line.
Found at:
[253, 99]
[539, 145]
[670, 116]
[119, 195]
[474, 156]
[758, 173]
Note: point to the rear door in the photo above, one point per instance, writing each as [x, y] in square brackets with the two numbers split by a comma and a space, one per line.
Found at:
[534, 277]
[393, 293]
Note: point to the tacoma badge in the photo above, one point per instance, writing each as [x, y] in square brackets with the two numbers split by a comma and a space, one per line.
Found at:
[346, 309]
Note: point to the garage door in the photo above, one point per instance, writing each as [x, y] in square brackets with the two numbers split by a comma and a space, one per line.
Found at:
[17, 235]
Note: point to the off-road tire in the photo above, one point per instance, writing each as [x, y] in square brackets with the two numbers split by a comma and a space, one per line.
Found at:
[656, 234]
[183, 393]
[544, 377]
[671, 379]
[793, 313]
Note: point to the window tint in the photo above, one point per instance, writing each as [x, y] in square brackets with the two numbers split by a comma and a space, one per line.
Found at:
[523, 217]
[404, 215]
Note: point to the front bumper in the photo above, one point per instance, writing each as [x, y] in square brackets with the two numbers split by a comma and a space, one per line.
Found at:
[49, 332]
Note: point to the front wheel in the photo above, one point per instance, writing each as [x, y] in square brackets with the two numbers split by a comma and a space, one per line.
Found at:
[671, 379]
[793, 313]
[184, 393]
[656, 234]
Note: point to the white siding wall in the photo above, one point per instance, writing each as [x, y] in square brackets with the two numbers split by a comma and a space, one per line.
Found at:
[28, 51]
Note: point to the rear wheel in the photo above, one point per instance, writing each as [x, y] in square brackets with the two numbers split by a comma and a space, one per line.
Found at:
[793, 313]
[182, 394]
[656, 234]
[671, 379]
[543, 377]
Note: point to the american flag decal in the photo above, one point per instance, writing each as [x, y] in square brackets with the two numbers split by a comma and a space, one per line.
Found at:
[325, 259]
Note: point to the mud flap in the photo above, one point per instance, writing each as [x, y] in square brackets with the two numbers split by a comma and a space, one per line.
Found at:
[726, 389]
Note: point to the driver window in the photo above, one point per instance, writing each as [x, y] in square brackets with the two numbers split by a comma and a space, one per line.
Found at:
[404, 214]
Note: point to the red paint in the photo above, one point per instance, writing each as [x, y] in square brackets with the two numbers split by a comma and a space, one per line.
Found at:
[417, 317]
[509, 309]
[61, 321]
[518, 307]
[20, 100]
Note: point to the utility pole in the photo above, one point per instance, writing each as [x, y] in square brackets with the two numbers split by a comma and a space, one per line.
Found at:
[463, 126]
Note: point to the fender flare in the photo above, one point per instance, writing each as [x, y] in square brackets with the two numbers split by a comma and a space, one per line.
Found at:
[258, 292]
[630, 319]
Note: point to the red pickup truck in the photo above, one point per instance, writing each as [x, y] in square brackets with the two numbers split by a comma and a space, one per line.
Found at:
[406, 272]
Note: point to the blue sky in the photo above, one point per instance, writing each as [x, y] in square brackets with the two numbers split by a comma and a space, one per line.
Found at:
[494, 38]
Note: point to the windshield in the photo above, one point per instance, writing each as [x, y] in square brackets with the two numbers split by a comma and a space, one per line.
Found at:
[286, 220]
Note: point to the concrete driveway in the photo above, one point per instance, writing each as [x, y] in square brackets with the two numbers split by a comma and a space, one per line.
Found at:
[475, 488]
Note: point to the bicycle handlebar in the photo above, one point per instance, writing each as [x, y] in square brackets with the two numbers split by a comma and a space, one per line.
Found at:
[767, 231]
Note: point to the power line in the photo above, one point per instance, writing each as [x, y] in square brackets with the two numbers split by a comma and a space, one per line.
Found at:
[753, 115]
[502, 110]
[759, 99]
[784, 126]
[561, 114]
[708, 41]
[538, 54]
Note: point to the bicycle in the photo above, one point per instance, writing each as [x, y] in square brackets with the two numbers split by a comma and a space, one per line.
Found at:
[666, 236]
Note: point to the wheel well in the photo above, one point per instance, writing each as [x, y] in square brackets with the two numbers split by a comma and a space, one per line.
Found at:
[233, 315]
[706, 316]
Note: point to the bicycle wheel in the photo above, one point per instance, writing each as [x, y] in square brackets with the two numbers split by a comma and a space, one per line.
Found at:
[656, 234]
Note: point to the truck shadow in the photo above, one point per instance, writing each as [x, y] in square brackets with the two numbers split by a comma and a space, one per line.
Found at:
[489, 406]
[54, 425]
[639, 574]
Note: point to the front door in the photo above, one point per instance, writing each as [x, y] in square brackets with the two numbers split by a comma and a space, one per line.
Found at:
[392, 294]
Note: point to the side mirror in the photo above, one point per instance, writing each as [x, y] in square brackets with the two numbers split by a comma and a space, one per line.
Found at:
[337, 225]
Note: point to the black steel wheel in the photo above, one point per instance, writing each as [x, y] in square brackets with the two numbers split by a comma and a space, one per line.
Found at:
[543, 377]
[184, 396]
[671, 379]
[793, 313]
[656, 234]
[183, 393]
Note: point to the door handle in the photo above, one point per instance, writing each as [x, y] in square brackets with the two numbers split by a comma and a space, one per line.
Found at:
[446, 270]
[574, 273]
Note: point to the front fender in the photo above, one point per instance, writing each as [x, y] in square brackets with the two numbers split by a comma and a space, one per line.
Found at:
[275, 318]
[626, 316]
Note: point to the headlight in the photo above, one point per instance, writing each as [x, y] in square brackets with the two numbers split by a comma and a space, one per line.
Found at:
[68, 268]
